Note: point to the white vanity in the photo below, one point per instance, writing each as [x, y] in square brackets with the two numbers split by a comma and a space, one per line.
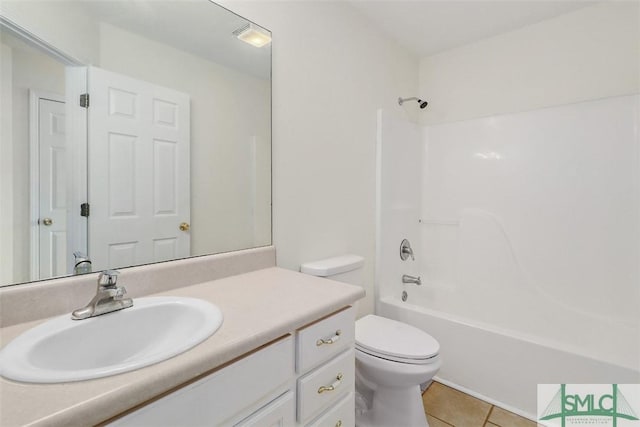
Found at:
[305, 378]
[284, 355]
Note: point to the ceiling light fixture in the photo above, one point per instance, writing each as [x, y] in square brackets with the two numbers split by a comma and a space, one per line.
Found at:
[253, 34]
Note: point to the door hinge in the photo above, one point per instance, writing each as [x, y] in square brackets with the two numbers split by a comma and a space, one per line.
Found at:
[84, 209]
[84, 100]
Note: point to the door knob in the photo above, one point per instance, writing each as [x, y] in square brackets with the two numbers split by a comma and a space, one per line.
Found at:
[184, 226]
[47, 221]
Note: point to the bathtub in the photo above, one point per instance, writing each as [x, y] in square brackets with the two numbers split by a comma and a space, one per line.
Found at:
[499, 365]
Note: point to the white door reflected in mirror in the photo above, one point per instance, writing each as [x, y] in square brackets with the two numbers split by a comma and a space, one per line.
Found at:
[49, 195]
[139, 145]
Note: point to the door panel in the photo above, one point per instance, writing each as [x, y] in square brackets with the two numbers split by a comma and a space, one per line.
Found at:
[139, 138]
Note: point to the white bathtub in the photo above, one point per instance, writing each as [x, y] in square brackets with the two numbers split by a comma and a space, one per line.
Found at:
[501, 366]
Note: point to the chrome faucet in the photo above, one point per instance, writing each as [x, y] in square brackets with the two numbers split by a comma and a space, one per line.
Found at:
[406, 251]
[81, 264]
[108, 298]
[411, 279]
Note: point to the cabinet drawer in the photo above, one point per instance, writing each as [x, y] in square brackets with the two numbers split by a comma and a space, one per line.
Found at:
[321, 387]
[322, 340]
[217, 397]
[279, 413]
[343, 414]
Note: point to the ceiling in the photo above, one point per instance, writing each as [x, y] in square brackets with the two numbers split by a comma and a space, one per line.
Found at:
[425, 27]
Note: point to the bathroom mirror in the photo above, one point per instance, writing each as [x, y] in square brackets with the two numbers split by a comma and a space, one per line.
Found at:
[132, 132]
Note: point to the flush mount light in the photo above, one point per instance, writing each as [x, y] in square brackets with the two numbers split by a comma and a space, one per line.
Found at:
[253, 35]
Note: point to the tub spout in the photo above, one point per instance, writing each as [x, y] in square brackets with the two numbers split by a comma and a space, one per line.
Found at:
[411, 279]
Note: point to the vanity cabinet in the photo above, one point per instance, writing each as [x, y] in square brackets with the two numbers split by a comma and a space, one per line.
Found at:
[306, 378]
[254, 380]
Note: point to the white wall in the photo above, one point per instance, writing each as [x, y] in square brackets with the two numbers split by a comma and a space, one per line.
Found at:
[331, 72]
[587, 54]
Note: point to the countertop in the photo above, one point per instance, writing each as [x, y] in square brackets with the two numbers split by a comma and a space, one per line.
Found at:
[258, 307]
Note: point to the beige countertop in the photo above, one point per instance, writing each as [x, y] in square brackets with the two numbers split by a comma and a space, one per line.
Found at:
[258, 307]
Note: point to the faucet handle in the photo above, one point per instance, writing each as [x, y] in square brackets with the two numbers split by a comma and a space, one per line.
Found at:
[108, 278]
[406, 251]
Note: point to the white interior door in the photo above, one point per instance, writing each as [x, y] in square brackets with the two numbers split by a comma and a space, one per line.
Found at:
[52, 218]
[139, 193]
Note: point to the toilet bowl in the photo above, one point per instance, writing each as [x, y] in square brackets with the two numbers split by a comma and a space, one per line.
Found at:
[392, 360]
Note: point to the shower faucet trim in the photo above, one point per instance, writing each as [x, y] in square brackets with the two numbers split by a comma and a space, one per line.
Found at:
[406, 251]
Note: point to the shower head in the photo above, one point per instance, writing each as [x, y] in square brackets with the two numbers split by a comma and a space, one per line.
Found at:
[421, 103]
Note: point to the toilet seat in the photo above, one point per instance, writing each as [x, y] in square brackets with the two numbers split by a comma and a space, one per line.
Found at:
[396, 341]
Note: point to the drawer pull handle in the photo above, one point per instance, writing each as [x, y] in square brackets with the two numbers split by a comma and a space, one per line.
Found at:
[331, 340]
[339, 423]
[331, 387]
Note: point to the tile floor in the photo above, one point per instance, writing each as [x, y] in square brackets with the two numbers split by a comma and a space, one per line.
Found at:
[447, 407]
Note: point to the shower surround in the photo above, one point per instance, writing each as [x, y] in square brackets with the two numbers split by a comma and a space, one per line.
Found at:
[526, 230]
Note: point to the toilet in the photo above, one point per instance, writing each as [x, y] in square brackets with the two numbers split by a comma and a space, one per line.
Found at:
[392, 358]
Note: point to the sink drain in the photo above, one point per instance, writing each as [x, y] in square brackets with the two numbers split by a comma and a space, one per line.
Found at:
[405, 295]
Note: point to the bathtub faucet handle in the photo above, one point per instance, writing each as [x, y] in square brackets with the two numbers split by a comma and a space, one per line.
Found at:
[406, 251]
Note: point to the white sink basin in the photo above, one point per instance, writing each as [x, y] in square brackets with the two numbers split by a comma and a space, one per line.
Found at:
[153, 330]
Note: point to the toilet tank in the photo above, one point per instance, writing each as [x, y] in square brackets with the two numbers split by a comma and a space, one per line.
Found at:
[344, 268]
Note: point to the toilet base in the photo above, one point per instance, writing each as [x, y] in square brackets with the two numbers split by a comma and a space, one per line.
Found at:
[394, 407]
[391, 391]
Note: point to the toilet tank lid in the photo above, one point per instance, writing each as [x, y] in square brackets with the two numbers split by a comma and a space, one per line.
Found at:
[331, 266]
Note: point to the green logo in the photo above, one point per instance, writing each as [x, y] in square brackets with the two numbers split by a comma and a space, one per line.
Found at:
[585, 408]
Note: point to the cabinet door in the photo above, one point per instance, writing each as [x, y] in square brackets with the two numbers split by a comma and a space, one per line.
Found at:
[216, 398]
[279, 413]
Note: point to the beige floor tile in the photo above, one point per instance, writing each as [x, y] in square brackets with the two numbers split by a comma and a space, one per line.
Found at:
[488, 424]
[434, 422]
[454, 407]
[503, 418]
